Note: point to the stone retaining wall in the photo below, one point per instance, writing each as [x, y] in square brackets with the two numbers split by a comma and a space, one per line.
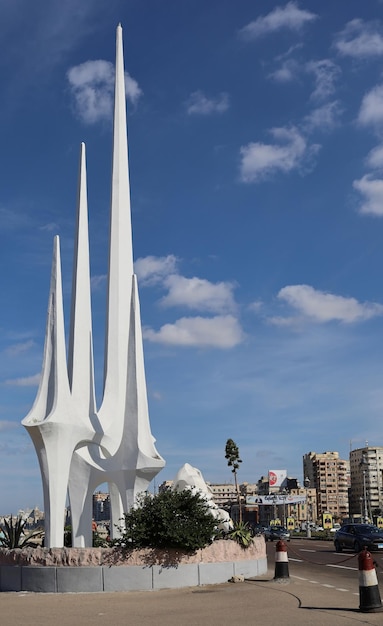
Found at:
[107, 569]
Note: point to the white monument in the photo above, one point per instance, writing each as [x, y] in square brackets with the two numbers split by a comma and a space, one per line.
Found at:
[80, 446]
[190, 478]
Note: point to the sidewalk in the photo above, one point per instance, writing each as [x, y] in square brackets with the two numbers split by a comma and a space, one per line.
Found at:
[256, 601]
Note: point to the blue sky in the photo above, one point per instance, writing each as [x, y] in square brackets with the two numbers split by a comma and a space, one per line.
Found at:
[256, 155]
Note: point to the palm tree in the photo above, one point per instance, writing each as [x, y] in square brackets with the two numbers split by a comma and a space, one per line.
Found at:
[233, 461]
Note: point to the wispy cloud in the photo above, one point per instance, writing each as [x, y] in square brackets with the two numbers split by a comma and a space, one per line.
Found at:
[96, 282]
[325, 73]
[92, 86]
[7, 425]
[289, 17]
[199, 104]
[360, 39]
[216, 332]
[320, 306]
[20, 348]
[325, 117]
[29, 381]
[291, 151]
[371, 190]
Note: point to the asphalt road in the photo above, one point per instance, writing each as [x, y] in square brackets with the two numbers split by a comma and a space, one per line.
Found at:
[315, 560]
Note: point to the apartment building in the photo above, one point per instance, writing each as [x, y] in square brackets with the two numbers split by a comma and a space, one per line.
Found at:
[101, 506]
[329, 476]
[366, 492]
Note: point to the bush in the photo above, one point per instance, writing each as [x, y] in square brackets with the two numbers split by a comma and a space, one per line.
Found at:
[170, 519]
[241, 533]
[14, 536]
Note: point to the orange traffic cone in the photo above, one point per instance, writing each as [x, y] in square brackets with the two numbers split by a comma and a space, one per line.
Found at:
[369, 595]
[281, 561]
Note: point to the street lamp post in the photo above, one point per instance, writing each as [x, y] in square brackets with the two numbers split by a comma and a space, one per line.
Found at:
[308, 527]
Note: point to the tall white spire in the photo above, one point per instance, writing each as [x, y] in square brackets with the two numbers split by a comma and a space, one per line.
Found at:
[79, 447]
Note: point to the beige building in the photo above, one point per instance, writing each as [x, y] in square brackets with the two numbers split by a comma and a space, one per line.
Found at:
[366, 493]
[329, 476]
[305, 511]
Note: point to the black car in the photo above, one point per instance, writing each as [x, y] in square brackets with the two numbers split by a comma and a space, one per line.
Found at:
[276, 533]
[358, 536]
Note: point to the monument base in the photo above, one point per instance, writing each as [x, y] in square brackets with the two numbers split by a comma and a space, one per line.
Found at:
[71, 570]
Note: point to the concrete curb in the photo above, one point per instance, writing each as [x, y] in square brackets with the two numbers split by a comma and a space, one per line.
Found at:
[123, 578]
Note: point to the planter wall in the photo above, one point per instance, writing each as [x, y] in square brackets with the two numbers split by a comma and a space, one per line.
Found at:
[106, 569]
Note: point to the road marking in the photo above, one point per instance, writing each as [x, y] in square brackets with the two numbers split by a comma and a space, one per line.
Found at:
[340, 589]
[355, 569]
[304, 550]
[314, 582]
[296, 560]
[299, 577]
[329, 586]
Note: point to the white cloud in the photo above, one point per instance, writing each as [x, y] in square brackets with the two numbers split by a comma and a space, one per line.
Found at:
[287, 72]
[324, 117]
[371, 109]
[375, 157]
[289, 17]
[29, 381]
[325, 307]
[192, 293]
[200, 294]
[92, 86]
[151, 269]
[199, 104]
[216, 332]
[360, 39]
[372, 191]
[259, 160]
[325, 74]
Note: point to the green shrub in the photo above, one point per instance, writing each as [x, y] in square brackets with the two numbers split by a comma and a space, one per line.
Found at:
[241, 533]
[170, 519]
[14, 536]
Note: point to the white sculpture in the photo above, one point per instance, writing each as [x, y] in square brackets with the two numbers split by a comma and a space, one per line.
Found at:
[189, 477]
[79, 446]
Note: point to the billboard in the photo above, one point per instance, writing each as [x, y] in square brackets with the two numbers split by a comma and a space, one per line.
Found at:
[275, 499]
[277, 478]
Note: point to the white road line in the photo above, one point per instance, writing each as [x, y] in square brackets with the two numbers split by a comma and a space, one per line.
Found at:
[329, 586]
[299, 577]
[355, 569]
[304, 550]
[340, 589]
[296, 560]
[314, 582]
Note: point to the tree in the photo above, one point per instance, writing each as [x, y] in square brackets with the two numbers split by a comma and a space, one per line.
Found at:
[233, 461]
[170, 519]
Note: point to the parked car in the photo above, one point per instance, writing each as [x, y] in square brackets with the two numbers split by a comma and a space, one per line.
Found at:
[335, 528]
[275, 533]
[357, 536]
[257, 529]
